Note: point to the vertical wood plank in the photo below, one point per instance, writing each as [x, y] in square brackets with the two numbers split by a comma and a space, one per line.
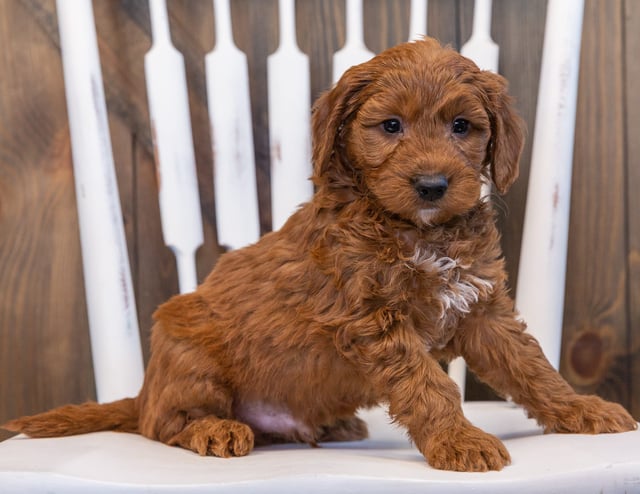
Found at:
[320, 39]
[595, 357]
[444, 20]
[385, 23]
[42, 314]
[632, 157]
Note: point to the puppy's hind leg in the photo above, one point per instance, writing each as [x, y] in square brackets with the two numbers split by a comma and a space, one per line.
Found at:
[195, 414]
[186, 399]
[211, 436]
[345, 429]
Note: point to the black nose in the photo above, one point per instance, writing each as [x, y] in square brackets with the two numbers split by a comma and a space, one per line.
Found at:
[431, 187]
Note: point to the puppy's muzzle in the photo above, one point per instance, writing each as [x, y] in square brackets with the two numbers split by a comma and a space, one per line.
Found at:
[431, 187]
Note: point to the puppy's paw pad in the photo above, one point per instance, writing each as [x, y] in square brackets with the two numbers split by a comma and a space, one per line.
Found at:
[467, 449]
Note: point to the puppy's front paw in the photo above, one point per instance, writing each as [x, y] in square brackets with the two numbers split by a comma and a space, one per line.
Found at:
[592, 415]
[466, 449]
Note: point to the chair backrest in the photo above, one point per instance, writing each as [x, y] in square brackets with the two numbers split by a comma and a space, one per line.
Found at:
[107, 276]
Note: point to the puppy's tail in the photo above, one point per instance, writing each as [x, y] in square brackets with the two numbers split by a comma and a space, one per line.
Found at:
[68, 420]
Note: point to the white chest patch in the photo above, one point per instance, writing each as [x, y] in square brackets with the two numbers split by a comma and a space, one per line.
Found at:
[460, 289]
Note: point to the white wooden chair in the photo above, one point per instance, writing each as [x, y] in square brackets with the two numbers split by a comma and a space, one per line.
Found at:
[387, 462]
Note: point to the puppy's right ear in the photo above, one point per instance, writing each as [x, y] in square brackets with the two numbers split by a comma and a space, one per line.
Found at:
[507, 132]
[332, 113]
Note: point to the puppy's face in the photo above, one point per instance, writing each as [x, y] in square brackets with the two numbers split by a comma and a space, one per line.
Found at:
[420, 139]
[417, 129]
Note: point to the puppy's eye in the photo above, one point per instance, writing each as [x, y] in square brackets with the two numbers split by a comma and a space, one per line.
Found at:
[460, 126]
[392, 126]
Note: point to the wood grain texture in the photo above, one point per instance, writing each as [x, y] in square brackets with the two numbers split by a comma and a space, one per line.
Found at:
[595, 356]
[320, 39]
[44, 345]
[519, 31]
[632, 169]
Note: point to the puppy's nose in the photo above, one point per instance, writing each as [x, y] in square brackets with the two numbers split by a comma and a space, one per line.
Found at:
[431, 187]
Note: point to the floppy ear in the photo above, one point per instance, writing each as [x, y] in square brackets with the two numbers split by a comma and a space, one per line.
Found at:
[507, 133]
[331, 114]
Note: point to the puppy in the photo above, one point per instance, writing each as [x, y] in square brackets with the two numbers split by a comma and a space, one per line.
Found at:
[393, 266]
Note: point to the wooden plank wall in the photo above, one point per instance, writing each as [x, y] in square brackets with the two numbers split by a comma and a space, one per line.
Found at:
[44, 346]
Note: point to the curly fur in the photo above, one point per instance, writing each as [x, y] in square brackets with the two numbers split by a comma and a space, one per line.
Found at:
[362, 292]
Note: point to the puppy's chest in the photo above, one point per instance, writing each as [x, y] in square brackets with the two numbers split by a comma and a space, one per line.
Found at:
[441, 289]
[450, 281]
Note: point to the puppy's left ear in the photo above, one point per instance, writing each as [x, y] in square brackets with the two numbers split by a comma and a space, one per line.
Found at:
[331, 114]
[507, 132]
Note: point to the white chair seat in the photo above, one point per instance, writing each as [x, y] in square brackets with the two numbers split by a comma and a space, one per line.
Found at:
[115, 462]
